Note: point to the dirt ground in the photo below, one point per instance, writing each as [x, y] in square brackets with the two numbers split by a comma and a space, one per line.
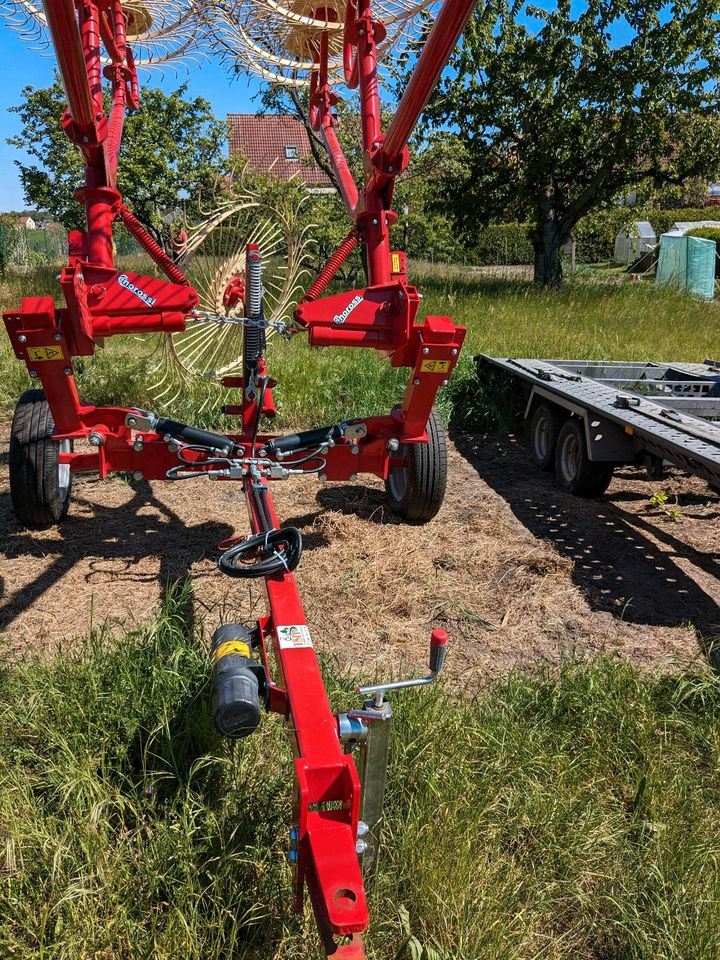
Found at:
[519, 572]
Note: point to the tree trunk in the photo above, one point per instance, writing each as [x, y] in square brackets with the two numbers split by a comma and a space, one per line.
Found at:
[547, 240]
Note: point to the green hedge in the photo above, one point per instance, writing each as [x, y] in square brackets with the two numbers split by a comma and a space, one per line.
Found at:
[509, 243]
[595, 234]
[503, 244]
[706, 233]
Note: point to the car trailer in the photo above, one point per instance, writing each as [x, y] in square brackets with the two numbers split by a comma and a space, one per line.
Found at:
[586, 417]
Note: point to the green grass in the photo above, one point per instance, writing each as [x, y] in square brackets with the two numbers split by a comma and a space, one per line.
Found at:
[585, 320]
[552, 817]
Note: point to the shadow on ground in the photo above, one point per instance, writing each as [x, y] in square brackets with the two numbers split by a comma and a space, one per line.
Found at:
[617, 564]
[116, 540]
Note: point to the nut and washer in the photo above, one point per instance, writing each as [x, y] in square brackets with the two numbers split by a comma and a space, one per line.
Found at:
[393, 445]
[68, 371]
[453, 352]
[426, 350]
[57, 337]
[416, 381]
[444, 383]
[96, 439]
[138, 475]
[22, 338]
[353, 476]
[33, 374]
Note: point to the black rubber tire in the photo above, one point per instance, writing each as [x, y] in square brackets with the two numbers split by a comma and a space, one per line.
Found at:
[416, 492]
[40, 487]
[543, 429]
[574, 470]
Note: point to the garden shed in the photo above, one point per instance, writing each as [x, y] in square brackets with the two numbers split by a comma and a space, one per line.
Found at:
[634, 241]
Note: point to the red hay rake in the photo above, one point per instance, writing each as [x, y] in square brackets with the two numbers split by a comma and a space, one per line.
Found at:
[338, 804]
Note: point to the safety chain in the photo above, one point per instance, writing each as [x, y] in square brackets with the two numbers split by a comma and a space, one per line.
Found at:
[285, 330]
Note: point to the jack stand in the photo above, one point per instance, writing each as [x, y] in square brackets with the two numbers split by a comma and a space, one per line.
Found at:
[369, 729]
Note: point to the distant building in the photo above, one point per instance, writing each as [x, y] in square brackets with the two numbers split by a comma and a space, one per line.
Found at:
[634, 241]
[277, 144]
[28, 223]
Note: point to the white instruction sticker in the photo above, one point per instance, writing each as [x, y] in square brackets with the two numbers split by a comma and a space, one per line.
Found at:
[294, 637]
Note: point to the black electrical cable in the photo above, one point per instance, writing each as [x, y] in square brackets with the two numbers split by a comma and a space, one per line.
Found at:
[282, 550]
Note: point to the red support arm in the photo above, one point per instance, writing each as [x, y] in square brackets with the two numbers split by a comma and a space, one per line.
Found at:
[443, 37]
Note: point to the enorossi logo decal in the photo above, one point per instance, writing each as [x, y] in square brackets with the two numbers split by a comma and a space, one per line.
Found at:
[125, 281]
[342, 317]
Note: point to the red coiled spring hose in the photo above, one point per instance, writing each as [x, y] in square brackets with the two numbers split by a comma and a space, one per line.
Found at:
[153, 249]
[332, 266]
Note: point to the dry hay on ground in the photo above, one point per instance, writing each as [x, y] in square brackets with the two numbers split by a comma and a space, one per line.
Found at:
[517, 571]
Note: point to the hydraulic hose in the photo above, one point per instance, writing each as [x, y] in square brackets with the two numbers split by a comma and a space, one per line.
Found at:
[281, 548]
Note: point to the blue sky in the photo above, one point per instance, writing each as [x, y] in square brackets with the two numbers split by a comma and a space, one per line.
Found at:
[20, 65]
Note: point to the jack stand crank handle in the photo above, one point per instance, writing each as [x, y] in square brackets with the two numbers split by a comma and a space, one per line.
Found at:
[438, 646]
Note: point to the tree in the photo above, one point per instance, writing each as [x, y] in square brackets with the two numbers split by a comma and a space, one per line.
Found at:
[173, 152]
[565, 109]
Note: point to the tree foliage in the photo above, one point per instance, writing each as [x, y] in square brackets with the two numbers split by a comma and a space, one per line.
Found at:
[561, 110]
[173, 151]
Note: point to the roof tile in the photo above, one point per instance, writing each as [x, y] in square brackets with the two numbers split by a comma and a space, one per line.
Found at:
[262, 139]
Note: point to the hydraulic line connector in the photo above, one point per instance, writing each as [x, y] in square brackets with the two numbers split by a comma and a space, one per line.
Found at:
[239, 683]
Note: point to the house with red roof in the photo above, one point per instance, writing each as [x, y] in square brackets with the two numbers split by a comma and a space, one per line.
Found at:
[277, 144]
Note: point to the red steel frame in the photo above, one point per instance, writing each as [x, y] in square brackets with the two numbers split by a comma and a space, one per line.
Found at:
[103, 301]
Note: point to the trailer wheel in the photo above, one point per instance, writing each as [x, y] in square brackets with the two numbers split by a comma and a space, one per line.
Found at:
[416, 492]
[543, 429]
[40, 486]
[575, 471]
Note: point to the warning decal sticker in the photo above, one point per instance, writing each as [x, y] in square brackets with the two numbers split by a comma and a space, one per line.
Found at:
[434, 366]
[45, 353]
[294, 637]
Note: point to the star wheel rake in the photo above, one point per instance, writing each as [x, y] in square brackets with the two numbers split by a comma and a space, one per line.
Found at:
[214, 261]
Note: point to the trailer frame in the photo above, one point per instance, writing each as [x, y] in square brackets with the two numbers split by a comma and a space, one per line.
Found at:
[633, 412]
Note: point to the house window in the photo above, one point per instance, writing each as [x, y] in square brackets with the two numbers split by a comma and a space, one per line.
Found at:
[291, 153]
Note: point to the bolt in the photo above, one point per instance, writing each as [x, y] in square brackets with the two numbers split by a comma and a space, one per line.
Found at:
[57, 337]
[33, 374]
[416, 381]
[353, 476]
[138, 475]
[453, 352]
[393, 445]
[426, 350]
[138, 445]
[354, 448]
[444, 383]
[375, 221]
[172, 447]
[322, 476]
[390, 168]
[22, 338]
[68, 371]
[96, 439]
[98, 115]
[131, 421]
[363, 829]
[360, 847]
[86, 139]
